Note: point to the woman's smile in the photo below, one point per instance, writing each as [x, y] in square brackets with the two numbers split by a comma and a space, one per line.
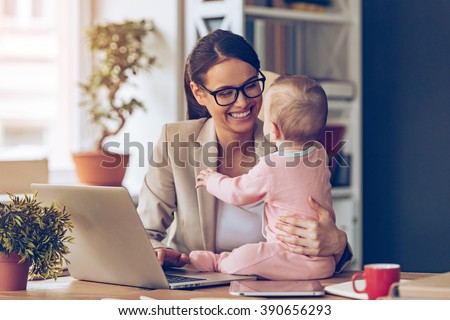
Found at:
[241, 115]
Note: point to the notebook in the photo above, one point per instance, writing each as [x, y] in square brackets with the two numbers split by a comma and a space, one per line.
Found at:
[432, 287]
[345, 289]
[111, 244]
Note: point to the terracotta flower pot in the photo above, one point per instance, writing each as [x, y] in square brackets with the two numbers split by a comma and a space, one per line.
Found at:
[13, 275]
[100, 168]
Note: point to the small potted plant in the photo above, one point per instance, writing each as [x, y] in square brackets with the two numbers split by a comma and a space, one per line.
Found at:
[33, 241]
[120, 54]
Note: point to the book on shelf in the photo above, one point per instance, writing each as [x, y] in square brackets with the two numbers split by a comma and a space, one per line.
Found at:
[338, 89]
[339, 163]
[340, 170]
[316, 6]
[318, 2]
[256, 2]
[278, 3]
[276, 42]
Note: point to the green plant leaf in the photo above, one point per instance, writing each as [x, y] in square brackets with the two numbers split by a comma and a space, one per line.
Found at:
[36, 233]
[120, 52]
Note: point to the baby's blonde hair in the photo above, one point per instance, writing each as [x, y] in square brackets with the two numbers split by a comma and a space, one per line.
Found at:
[298, 107]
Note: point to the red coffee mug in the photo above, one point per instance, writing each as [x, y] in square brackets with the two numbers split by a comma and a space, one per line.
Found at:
[379, 278]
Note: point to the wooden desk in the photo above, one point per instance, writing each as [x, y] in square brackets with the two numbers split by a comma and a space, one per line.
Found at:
[67, 288]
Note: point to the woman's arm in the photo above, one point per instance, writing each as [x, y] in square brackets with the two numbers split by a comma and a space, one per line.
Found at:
[157, 203]
[316, 237]
[157, 199]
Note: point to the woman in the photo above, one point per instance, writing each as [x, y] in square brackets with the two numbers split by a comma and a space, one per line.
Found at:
[223, 86]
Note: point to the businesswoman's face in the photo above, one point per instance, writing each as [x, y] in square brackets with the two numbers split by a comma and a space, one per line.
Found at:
[234, 111]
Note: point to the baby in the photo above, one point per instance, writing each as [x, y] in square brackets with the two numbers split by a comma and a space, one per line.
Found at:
[295, 109]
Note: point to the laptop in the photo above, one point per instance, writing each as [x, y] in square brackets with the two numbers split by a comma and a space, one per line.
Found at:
[111, 244]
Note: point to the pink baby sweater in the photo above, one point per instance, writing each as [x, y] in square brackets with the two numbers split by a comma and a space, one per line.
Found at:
[283, 182]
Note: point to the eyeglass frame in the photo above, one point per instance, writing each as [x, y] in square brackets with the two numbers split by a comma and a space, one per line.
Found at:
[238, 89]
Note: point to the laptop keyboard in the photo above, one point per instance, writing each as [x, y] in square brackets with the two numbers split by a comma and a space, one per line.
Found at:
[177, 279]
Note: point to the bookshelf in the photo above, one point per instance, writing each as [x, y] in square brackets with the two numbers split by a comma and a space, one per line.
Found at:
[323, 45]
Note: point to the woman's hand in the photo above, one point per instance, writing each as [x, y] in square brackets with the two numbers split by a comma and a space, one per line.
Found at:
[313, 237]
[171, 258]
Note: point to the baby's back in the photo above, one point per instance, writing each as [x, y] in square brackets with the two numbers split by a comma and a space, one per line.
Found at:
[292, 180]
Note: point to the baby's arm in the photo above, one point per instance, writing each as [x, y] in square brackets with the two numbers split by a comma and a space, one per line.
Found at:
[203, 177]
[245, 189]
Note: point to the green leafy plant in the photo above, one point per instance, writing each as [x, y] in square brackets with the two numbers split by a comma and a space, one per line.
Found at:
[36, 233]
[120, 52]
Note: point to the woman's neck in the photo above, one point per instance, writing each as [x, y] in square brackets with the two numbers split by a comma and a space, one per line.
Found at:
[236, 153]
[235, 139]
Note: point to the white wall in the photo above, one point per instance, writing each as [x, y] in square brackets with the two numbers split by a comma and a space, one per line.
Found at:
[160, 89]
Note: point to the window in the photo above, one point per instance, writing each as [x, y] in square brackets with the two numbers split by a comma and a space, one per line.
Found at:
[37, 79]
[9, 8]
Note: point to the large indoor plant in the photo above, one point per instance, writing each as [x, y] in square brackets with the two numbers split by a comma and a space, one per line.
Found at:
[33, 241]
[119, 53]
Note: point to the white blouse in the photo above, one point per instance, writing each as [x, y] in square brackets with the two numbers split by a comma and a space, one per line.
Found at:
[237, 226]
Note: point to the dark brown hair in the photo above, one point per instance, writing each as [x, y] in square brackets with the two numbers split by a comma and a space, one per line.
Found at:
[298, 107]
[209, 51]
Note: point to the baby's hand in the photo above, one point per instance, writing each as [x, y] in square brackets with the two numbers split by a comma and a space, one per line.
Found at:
[203, 177]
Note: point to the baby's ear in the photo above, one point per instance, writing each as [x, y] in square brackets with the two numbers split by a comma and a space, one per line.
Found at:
[275, 131]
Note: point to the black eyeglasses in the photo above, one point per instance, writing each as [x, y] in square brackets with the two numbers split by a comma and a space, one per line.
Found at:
[225, 97]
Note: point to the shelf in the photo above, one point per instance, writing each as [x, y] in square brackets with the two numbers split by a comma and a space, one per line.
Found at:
[258, 12]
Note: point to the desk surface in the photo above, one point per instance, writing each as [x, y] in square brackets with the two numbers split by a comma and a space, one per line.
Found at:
[71, 289]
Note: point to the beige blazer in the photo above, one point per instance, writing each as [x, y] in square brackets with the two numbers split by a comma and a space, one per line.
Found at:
[173, 212]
